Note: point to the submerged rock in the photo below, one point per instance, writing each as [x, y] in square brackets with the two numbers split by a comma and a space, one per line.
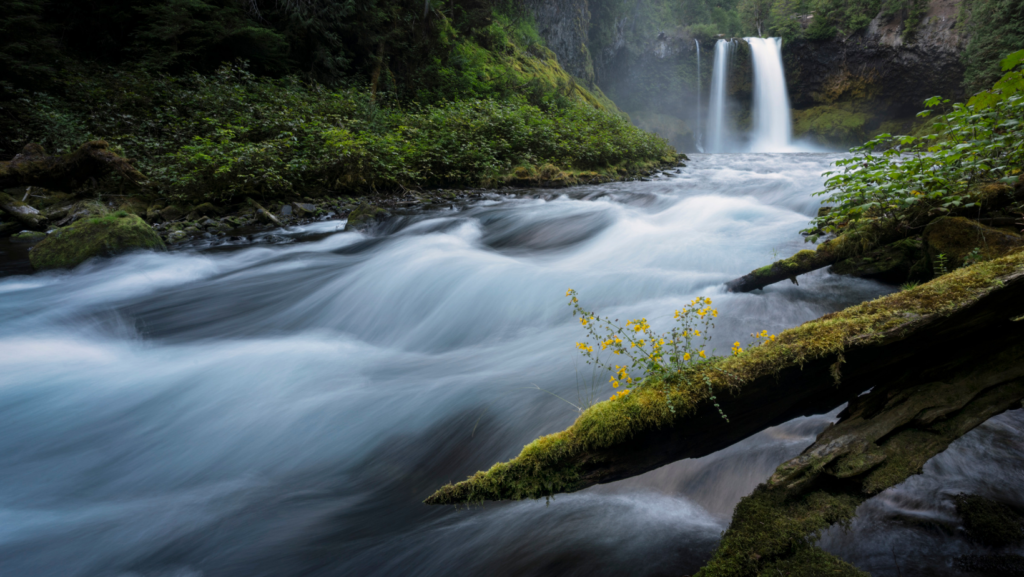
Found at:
[98, 236]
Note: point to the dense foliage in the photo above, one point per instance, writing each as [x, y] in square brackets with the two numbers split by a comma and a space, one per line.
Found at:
[995, 28]
[231, 133]
[333, 95]
[899, 178]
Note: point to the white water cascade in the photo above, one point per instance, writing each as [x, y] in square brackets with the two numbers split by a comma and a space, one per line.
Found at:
[718, 128]
[772, 127]
[699, 134]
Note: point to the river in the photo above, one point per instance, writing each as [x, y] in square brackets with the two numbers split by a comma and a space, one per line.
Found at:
[283, 408]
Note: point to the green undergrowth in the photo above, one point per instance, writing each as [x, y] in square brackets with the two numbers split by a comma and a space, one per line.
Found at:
[232, 134]
[550, 464]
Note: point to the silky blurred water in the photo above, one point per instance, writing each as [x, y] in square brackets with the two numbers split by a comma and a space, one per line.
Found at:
[284, 409]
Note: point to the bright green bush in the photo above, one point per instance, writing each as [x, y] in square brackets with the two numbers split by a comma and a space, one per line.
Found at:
[896, 178]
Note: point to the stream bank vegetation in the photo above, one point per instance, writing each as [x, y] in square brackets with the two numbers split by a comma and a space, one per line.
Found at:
[223, 106]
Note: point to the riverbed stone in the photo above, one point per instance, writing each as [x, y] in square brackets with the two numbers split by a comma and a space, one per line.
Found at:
[286, 210]
[173, 212]
[176, 237]
[304, 208]
[95, 236]
[364, 216]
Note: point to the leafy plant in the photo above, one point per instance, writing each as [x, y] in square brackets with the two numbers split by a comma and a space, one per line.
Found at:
[939, 266]
[894, 179]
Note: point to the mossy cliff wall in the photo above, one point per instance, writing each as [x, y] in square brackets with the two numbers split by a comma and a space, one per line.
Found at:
[845, 89]
[563, 24]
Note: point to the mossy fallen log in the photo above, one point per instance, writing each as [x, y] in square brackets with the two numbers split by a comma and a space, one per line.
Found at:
[27, 215]
[33, 166]
[912, 339]
[802, 262]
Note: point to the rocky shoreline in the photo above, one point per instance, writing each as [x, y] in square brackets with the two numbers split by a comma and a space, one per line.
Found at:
[30, 215]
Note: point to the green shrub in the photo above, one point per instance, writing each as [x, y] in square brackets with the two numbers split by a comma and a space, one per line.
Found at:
[232, 134]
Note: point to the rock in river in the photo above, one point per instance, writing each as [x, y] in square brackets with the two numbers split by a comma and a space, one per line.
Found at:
[99, 236]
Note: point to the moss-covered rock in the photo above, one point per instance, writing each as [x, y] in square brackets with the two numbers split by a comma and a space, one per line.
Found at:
[96, 236]
[364, 216]
[963, 240]
[890, 264]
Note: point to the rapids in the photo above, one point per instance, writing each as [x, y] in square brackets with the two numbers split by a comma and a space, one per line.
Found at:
[283, 409]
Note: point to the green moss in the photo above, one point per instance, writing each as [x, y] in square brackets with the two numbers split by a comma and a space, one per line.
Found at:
[550, 464]
[772, 532]
[989, 522]
[844, 123]
[956, 237]
[95, 236]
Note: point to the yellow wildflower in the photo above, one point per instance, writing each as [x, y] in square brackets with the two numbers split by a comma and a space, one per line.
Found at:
[701, 354]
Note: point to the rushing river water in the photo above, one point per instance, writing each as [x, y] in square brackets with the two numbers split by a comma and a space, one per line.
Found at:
[284, 409]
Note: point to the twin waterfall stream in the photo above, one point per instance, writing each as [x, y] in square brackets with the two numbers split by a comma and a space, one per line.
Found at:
[771, 122]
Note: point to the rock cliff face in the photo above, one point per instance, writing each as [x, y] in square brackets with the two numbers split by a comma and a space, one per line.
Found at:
[563, 24]
[844, 89]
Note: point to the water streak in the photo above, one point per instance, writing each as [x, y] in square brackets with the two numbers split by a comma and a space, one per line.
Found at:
[772, 126]
[719, 137]
[699, 132]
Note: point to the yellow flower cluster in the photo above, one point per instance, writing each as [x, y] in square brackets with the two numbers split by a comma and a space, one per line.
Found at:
[619, 395]
[621, 375]
[638, 325]
[613, 340]
[736, 348]
[585, 347]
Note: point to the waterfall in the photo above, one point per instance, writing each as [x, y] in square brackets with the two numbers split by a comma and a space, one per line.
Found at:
[772, 126]
[699, 136]
[718, 129]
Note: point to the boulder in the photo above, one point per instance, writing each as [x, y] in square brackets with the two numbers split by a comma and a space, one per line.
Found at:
[173, 212]
[96, 236]
[957, 238]
[364, 216]
[304, 208]
[286, 210]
